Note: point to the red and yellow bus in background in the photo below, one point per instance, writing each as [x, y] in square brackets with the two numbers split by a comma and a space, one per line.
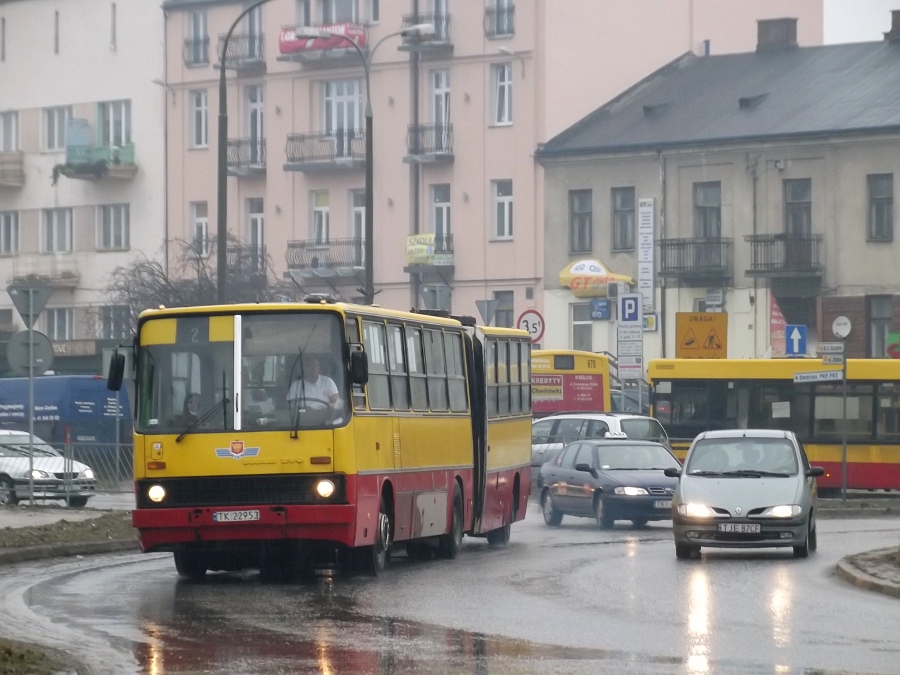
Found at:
[569, 381]
[409, 428]
[689, 396]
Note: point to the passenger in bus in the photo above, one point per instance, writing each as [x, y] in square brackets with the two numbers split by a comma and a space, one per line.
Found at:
[313, 390]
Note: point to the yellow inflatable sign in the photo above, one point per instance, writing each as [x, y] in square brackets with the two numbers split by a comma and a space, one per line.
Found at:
[589, 278]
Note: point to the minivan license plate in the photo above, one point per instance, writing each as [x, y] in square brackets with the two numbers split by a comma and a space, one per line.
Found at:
[739, 528]
[235, 516]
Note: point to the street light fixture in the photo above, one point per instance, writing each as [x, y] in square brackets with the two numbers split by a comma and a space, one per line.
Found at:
[420, 30]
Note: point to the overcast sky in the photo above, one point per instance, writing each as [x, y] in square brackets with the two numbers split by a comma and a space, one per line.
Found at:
[857, 20]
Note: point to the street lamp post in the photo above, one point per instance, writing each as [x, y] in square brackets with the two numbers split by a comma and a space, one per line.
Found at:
[222, 191]
[423, 30]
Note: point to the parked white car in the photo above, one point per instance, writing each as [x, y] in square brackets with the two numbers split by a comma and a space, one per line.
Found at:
[53, 476]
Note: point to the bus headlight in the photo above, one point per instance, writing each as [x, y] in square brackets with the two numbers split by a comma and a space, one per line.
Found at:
[156, 493]
[325, 488]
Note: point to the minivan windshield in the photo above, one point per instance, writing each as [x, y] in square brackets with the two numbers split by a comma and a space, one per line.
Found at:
[742, 456]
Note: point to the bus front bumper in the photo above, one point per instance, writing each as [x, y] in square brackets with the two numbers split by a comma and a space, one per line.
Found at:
[163, 529]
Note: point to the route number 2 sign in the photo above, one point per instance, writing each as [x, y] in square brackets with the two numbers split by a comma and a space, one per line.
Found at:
[531, 321]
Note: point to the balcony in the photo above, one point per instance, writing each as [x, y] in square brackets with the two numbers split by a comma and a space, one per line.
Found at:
[246, 157]
[59, 270]
[429, 254]
[246, 52]
[785, 255]
[342, 150]
[429, 143]
[499, 22]
[439, 43]
[701, 260]
[246, 261]
[335, 260]
[322, 52]
[196, 52]
[12, 169]
[96, 162]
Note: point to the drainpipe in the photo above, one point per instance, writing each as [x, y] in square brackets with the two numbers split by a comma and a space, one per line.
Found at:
[165, 143]
[753, 168]
[415, 169]
[662, 235]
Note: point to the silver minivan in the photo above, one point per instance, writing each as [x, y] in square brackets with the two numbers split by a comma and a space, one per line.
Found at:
[745, 488]
[555, 431]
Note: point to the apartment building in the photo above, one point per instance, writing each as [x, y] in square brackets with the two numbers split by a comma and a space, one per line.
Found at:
[758, 184]
[82, 188]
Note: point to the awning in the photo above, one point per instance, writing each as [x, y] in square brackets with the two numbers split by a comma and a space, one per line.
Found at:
[589, 278]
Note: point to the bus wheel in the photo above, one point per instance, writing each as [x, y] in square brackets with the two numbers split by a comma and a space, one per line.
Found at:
[7, 492]
[373, 559]
[500, 536]
[450, 542]
[190, 565]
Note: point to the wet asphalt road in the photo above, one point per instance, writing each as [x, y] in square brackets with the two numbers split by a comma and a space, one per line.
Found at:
[572, 599]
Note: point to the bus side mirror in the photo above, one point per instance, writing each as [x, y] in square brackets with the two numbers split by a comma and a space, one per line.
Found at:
[116, 372]
[359, 368]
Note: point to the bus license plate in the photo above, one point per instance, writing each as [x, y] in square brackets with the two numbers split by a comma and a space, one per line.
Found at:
[740, 528]
[662, 504]
[234, 516]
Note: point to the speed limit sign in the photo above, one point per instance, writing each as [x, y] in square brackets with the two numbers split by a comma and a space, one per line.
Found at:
[531, 320]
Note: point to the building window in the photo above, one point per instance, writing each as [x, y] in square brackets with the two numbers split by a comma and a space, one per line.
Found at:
[374, 11]
[880, 312]
[503, 100]
[56, 32]
[3, 39]
[115, 322]
[59, 324]
[340, 11]
[197, 40]
[57, 231]
[580, 220]
[440, 216]
[881, 207]
[798, 207]
[358, 218]
[500, 18]
[55, 122]
[623, 219]
[115, 123]
[256, 231]
[582, 327]
[504, 314]
[200, 229]
[708, 210]
[9, 131]
[320, 218]
[113, 227]
[199, 119]
[9, 232]
[502, 190]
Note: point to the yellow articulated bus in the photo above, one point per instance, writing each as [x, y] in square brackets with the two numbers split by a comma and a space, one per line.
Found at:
[286, 436]
[694, 395]
[569, 381]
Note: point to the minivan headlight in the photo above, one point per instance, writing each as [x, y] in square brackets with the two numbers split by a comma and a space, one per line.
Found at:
[782, 511]
[37, 473]
[696, 511]
[88, 473]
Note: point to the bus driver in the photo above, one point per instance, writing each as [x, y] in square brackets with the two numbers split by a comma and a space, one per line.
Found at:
[313, 390]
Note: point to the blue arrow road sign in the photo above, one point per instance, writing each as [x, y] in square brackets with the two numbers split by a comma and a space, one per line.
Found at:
[795, 340]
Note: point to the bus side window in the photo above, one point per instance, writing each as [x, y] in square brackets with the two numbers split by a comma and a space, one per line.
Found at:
[351, 326]
[515, 391]
[418, 385]
[378, 389]
[399, 392]
[525, 371]
[503, 376]
[490, 366]
[456, 379]
[436, 370]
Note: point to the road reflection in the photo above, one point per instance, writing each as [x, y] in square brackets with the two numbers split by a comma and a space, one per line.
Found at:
[698, 622]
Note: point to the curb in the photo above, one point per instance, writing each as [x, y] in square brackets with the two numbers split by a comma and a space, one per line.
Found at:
[28, 553]
[852, 574]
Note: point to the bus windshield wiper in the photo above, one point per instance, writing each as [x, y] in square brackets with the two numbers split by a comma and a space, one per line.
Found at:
[205, 416]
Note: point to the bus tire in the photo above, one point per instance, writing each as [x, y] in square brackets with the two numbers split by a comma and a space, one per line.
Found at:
[7, 492]
[500, 536]
[373, 559]
[450, 542]
[190, 565]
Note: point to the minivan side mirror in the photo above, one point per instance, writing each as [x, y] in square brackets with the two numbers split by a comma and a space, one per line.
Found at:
[815, 471]
[582, 466]
[672, 472]
[116, 372]
[359, 368]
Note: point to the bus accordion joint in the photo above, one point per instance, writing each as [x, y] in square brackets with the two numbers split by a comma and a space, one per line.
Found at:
[156, 465]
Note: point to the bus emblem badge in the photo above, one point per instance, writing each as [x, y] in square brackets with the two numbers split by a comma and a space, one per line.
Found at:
[237, 451]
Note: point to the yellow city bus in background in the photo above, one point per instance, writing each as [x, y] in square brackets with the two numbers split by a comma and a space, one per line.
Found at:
[419, 433]
[689, 396]
[569, 381]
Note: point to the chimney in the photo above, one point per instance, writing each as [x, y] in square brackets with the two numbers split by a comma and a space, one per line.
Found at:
[894, 34]
[776, 34]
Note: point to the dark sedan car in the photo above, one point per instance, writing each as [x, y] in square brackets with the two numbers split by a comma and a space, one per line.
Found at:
[609, 481]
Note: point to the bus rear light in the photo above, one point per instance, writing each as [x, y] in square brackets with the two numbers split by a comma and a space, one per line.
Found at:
[320, 460]
[156, 465]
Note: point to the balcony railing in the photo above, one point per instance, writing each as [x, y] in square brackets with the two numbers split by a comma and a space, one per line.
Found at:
[704, 258]
[249, 260]
[12, 169]
[333, 258]
[429, 142]
[246, 155]
[785, 255]
[196, 51]
[245, 50]
[499, 21]
[60, 270]
[440, 41]
[343, 148]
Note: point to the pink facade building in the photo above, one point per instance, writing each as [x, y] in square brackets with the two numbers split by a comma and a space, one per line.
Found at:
[457, 118]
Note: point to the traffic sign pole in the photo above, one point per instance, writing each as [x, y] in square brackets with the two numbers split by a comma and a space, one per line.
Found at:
[31, 398]
[844, 434]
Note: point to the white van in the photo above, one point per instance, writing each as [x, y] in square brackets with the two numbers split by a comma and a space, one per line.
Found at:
[555, 431]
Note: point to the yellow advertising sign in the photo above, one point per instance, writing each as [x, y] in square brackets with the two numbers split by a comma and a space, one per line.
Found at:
[420, 249]
[701, 335]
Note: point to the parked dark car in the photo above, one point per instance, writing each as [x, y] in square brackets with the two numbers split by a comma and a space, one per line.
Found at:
[609, 480]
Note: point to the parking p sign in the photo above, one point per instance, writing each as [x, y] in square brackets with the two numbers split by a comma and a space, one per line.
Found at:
[631, 308]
